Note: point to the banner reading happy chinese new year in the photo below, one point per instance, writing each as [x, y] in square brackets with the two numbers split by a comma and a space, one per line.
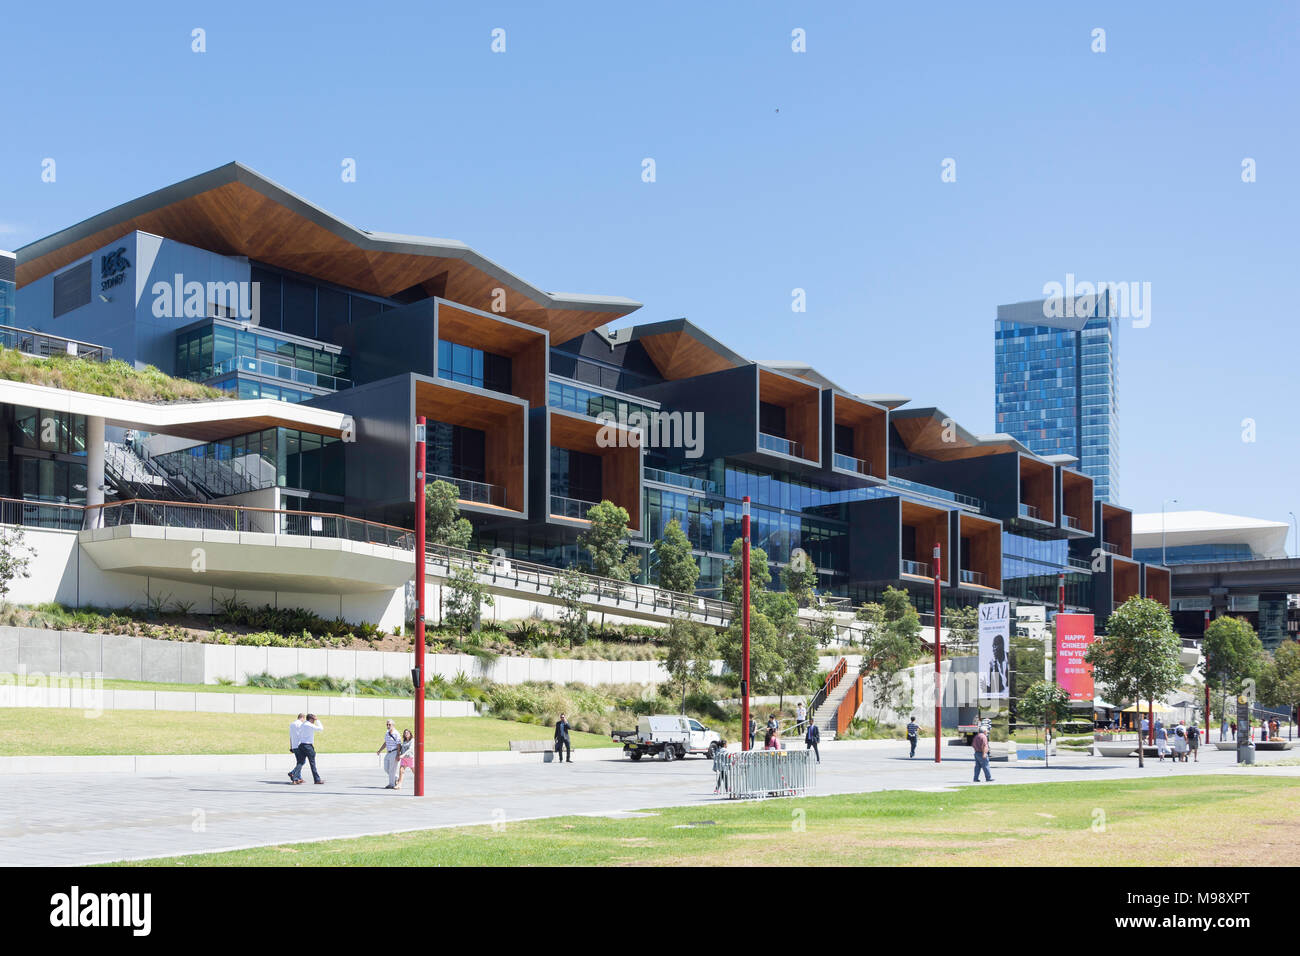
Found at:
[1074, 634]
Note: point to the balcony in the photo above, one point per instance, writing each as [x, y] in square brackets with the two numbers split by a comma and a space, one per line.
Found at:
[620, 467]
[978, 540]
[782, 446]
[44, 345]
[848, 463]
[857, 432]
[1076, 501]
[919, 568]
[1037, 498]
[680, 481]
[575, 509]
[1110, 547]
[1030, 511]
[973, 577]
[474, 492]
[278, 370]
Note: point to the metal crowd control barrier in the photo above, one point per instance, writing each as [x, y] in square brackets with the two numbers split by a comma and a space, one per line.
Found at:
[746, 774]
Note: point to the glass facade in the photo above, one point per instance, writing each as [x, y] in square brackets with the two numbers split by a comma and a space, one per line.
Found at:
[471, 366]
[572, 397]
[1195, 553]
[8, 299]
[1056, 388]
[42, 455]
[255, 364]
[273, 457]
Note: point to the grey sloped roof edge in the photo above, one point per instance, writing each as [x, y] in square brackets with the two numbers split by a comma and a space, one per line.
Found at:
[233, 172]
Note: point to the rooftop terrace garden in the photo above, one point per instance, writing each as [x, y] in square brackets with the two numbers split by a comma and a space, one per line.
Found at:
[114, 379]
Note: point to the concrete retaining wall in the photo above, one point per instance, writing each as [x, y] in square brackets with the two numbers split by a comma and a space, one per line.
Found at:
[112, 657]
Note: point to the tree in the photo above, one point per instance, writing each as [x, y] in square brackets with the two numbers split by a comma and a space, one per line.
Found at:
[678, 570]
[891, 641]
[1279, 682]
[690, 656]
[823, 627]
[797, 649]
[799, 577]
[606, 541]
[1137, 659]
[570, 586]
[1233, 655]
[1043, 705]
[467, 596]
[766, 665]
[760, 576]
[14, 559]
[443, 524]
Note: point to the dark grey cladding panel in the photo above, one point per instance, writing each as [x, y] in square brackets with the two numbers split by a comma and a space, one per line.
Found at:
[380, 463]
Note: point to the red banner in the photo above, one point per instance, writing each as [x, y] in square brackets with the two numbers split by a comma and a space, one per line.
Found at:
[1074, 633]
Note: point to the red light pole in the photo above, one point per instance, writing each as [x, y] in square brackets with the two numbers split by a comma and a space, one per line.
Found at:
[1207, 683]
[938, 699]
[744, 625]
[1060, 592]
[420, 506]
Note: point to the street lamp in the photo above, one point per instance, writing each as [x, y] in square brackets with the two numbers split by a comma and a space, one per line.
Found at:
[1167, 501]
[1296, 539]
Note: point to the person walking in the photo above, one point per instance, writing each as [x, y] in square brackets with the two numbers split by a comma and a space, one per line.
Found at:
[405, 757]
[295, 738]
[562, 739]
[307, 748]
[913, 731]
[1194, 742]
[811, 738]
[753, 731]
[390, 748]
[1180, 744]
[981, 747]
[1162, 740]
[800, 713]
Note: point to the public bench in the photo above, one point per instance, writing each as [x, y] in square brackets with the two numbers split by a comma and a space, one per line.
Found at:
[544, 747]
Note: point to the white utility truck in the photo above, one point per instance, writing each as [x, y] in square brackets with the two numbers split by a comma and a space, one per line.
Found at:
[668, 736]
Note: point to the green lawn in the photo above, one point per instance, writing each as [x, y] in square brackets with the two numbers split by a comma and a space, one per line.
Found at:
[31, 731]
[1167, 821]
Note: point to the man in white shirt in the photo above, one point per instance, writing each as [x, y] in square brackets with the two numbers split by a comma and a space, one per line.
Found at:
[391, 746]
[307, 747]
[295, 738]
[800, 713]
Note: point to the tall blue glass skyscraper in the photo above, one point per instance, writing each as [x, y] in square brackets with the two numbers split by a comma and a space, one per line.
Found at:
[1056, 371]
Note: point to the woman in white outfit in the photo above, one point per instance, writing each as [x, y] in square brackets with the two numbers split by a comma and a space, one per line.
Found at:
[390, 748]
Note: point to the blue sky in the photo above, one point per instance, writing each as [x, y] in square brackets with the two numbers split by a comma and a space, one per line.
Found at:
[775, 171]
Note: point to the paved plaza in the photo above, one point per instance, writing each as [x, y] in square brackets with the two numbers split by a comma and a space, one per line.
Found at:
[48, 819]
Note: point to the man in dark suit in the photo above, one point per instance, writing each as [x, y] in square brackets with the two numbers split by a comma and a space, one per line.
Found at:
[562, 739]
[812, 737]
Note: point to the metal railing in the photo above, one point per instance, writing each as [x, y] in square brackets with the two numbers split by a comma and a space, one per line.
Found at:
[743, 774]
[245, 519]
[972, 577]
[783, 446]
[45, 345]
[545, 579]
[1083, 564]
[861, 466]
[40, 514]
[680, 481]
[476, 492]
[1070, 521]
[1110, 547]
[849, 706]
[919, 568]
[562, 507]
[943, 494]
[1030, 511]
[289, 373]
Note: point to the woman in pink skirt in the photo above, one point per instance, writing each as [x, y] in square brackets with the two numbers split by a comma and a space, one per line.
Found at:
[406, 756]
